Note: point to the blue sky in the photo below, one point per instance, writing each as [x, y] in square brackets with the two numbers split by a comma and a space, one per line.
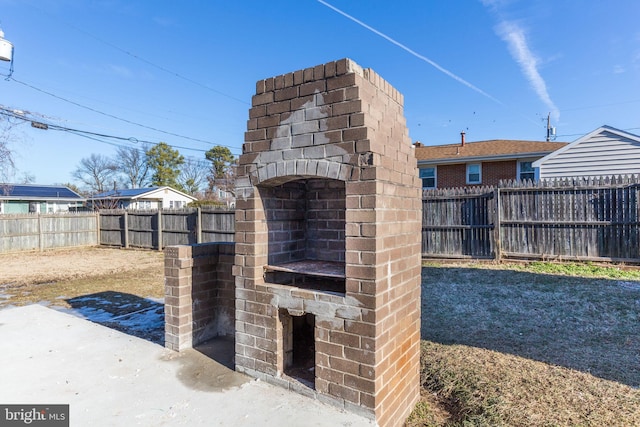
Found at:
[184, 72]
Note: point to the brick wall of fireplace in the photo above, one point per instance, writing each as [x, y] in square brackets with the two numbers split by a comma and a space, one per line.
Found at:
[327, 254]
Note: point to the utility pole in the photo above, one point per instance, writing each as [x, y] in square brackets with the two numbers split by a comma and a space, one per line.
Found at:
[548, 127]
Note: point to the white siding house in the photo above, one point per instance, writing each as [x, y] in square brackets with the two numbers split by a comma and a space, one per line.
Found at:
[142, 198]
[605, 151]
[30, 198]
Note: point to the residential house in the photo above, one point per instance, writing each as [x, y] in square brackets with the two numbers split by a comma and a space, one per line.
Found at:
[29, 198]
[222, 192]
[604, 152]
[479, 163]
[141, 198]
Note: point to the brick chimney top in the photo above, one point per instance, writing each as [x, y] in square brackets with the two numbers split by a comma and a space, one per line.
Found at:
[462, 139]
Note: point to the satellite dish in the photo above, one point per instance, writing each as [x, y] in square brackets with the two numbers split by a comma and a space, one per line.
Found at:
[6, 49]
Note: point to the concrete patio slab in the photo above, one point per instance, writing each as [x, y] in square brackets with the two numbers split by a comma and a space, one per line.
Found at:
[113, 379]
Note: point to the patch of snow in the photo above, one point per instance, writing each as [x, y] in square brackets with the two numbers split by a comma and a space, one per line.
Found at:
[144, 320]
[94, 314]
[102, 301]
[634, 286]
[149, 318]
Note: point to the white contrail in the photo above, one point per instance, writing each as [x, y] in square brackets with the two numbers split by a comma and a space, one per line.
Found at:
[412, 52]
[516, 40]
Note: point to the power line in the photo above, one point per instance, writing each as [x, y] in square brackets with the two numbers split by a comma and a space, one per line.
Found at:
[116, 117]
[86, 134]
[584, 133]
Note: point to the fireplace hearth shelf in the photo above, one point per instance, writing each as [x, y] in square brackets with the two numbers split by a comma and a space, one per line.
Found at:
[310, 267]
[323, 276]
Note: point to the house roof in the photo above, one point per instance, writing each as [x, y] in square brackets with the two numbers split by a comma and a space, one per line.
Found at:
[495, 149]
[134, 193]
[125, 193]
[37, 192]
[600, 130]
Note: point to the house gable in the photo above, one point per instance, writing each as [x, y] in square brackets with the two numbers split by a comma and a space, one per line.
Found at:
[603, 152]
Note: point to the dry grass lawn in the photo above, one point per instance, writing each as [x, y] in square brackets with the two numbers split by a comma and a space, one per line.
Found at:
[514, 346]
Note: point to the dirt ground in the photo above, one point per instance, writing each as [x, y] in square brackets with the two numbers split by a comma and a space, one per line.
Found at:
[51, 266]
[121, 289]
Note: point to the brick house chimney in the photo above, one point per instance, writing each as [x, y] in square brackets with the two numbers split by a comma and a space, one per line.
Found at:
[462, 138]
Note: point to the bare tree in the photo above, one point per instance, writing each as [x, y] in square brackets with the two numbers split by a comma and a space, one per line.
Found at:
[193, 175]
[7, 166]
[107, 203]
[132, 163]
[27, 178]
[96, 172]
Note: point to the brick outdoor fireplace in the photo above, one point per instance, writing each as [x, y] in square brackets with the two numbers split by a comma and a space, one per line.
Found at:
[327, 264]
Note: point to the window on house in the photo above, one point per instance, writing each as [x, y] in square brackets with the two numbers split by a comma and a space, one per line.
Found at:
[474, 173]
[526, 171]
[171, 204]
[428, 176]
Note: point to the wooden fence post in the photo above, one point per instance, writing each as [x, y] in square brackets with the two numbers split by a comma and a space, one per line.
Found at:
[97, 215]
[159, 229]
[497, 237]
[40, 233]
[199, 226]
[126, 230]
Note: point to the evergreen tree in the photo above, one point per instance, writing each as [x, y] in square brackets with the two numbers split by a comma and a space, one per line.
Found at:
[165, 162]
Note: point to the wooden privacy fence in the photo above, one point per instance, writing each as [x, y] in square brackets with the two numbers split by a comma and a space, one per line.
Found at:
[156, 229]
[594, 219]
[34, 231]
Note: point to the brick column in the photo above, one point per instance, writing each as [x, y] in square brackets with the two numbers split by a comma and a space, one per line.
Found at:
[199, 294]
[178, 314]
